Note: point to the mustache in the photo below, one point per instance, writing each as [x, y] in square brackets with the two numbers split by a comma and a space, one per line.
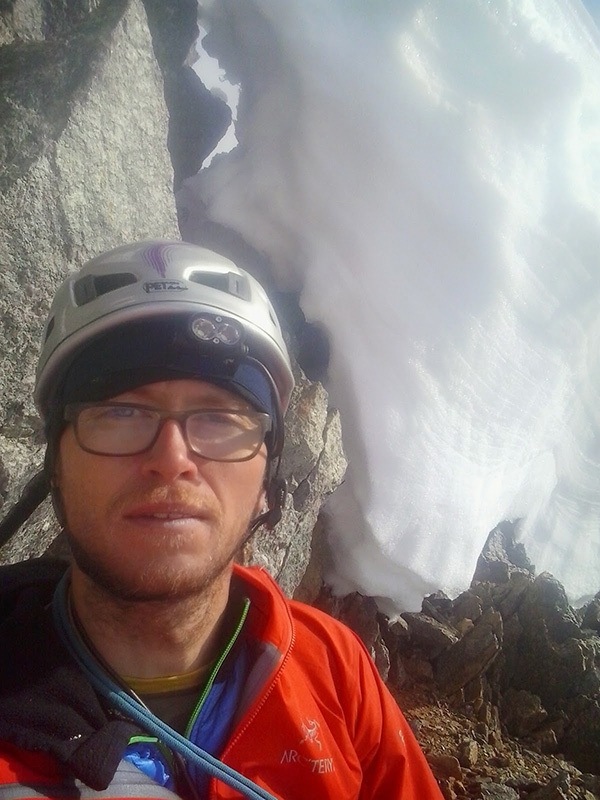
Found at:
[192, 497]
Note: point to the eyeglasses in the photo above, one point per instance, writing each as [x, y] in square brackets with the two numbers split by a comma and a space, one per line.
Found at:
[127, 429]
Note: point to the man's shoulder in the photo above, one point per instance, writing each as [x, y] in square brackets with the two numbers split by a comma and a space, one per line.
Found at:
[315, 632]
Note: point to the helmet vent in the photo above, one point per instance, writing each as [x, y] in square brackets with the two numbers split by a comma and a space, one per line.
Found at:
[229, 282]
[90, 287]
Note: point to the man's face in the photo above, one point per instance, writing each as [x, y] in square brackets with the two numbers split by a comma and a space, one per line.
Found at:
[165, 523]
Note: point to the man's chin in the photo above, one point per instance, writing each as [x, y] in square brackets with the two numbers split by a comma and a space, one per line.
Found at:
[161, 579]
[153, 585]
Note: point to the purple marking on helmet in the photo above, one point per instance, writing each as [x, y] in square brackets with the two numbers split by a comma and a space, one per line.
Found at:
[155, 257]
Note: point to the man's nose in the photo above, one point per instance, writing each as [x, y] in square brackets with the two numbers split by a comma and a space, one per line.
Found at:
[170, 456]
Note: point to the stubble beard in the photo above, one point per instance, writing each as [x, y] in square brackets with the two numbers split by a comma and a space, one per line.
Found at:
[157, 581]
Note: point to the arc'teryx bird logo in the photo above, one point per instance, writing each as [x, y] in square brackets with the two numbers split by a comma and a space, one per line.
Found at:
[310, 729]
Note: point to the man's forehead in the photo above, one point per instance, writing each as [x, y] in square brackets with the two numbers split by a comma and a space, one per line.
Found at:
[183, 391]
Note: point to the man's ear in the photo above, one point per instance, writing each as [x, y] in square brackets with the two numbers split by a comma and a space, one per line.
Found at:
[261, 503]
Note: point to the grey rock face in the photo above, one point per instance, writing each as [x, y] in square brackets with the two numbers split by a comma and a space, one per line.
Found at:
[360, 613]
[590, 616]
[313, 465]
[522, 712]
[434, 637]
[472, 654]
[557, 789]
[502, 556]
[85, 168]
[495, 791]
[550, 658]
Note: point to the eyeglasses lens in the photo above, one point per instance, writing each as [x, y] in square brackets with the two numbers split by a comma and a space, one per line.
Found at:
[224, 436]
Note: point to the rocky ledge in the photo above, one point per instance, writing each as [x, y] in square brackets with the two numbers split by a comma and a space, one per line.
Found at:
[501, 684]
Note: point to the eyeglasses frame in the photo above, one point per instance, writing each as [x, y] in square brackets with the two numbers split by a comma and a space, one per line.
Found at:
[73, 410]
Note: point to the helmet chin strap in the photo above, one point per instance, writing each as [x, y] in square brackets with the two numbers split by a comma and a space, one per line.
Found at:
[34, 493]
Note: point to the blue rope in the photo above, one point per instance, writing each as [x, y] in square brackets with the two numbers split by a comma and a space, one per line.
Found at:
[141, 715]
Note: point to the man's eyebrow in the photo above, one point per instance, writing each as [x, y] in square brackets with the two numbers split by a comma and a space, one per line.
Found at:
[221, 401]
[210, 399]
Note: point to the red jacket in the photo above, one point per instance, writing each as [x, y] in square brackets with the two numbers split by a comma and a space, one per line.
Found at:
[316, 721]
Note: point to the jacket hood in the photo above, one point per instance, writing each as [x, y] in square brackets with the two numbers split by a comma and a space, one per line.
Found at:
[45, 702]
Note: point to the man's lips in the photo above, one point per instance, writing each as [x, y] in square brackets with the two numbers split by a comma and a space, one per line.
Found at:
[165, 512]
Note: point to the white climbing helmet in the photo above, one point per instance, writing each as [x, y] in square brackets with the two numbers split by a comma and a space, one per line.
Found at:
[221, 310]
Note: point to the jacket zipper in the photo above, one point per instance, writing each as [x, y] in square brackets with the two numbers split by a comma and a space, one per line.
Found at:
[250, 717]
[216, 668]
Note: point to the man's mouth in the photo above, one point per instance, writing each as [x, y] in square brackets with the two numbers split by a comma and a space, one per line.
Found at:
[170, 516]
[165, 514]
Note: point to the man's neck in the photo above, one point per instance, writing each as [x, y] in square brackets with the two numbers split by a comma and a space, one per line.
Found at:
[151, 639]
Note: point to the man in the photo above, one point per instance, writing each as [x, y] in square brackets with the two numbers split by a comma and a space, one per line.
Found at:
[154, 666]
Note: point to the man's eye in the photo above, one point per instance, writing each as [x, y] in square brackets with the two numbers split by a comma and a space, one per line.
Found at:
[216, 418]
[109, 413]
[218, 422]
